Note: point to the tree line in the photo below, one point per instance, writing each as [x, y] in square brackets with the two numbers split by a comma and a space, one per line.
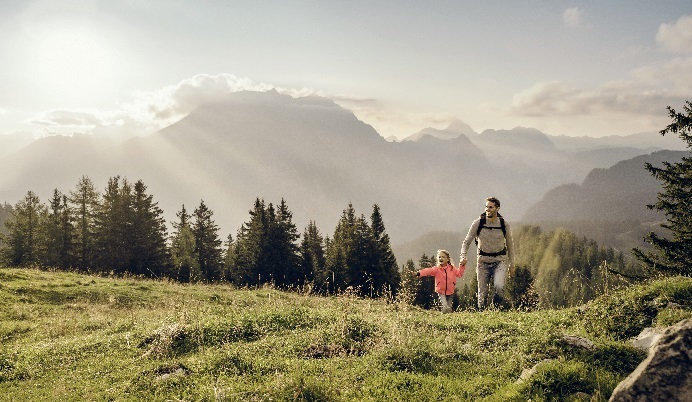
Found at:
[121, 230]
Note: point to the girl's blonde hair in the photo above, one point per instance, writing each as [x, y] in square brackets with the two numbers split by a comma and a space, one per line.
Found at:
[449, 257]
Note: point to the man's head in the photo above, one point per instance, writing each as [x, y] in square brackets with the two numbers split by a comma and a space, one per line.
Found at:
[492, 206]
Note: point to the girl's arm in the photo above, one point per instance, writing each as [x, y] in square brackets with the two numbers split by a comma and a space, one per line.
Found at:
[427, 272]
[460, 270]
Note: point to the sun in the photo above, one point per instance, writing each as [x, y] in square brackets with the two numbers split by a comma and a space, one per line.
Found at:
[73, 64]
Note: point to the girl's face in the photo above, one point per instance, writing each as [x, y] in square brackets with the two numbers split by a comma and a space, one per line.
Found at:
[443, 259]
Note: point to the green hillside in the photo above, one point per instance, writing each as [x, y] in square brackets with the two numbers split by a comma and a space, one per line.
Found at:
[66, 336]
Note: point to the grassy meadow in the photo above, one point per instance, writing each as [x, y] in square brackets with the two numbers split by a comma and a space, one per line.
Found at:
[73, 337]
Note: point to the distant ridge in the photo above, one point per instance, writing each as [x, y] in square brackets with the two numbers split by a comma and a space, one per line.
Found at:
[616, 193]
[455, 129]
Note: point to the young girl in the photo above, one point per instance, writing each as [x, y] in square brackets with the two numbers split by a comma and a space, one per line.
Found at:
[445, 278]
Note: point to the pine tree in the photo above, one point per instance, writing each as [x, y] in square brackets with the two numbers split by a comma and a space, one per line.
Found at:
[148, 236]
[84, 202]
[673, 256]
[282, 244]
[409, 283]
[184, 256]
[228, 258]
[5, 213]
[60, 233]
[363, 262]
[25, 239]
[250, 266]
[312, 255]
[351, 255]
[386, 276]
[425, 294]
[113, 223]
[207, 243]
[337, 272]
[334, 278]
[265, 249]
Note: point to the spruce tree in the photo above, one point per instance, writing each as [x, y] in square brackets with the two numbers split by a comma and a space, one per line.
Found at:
[283, 242]
[24, 242]
[60, 233]
[673, 255]
[228, 258]
[84, 202]
[184, 256]
[409, 283]
[251, 266]
[5, 213]
[337, 273]
[312, 256]
[351, 255]
[207, 243]
[386, 276]
[334, 278]
[148, 236]
[265, 248]
[425, 294]
[113, 224]
[363, 261]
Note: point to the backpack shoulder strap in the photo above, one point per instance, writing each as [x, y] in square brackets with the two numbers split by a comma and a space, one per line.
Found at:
[482, 222]
[480, 225]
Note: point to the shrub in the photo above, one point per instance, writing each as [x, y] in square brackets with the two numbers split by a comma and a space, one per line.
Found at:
[625, 313]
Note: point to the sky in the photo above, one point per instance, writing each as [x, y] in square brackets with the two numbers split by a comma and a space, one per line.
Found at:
[131, 67]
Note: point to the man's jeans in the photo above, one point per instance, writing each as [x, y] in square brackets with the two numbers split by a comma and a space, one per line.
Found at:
[498, 271]
[446, 302]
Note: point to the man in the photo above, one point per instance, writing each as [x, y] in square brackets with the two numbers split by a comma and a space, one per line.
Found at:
[495, 256]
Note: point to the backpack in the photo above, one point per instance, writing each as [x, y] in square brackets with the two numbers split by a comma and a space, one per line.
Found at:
[482, 225]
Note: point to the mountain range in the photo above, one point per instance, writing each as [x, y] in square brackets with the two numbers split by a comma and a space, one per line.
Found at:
[319, 157]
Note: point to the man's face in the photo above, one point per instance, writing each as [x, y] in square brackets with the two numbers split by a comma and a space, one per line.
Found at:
[490, 209]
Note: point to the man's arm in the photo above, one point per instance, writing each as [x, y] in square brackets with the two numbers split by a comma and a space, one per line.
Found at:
[509, 243]
[467, 241]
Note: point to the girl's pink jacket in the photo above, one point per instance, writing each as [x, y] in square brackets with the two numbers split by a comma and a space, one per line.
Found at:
[445, 277]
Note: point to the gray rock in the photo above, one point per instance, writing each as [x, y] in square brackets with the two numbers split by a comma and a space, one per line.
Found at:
[527, 373]
[578, 342]
[666, 374]
[647, 338]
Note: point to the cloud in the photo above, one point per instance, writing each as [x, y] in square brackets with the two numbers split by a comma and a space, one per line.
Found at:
[149, 111]
[68, 122]
[180, 99]
[646, 90]
[637, 103]
[676, 37]
[355, 101]
[168, 104]
[71, 118]
[573, 17]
